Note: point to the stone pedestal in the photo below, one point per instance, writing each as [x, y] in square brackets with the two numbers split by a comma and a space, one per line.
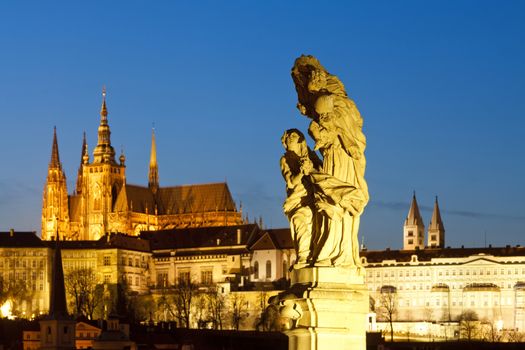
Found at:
[330, 304]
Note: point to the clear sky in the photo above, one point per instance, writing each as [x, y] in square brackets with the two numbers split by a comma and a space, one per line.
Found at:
[440, 85]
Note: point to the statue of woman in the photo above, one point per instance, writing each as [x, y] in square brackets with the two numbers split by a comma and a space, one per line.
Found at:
[340, 190]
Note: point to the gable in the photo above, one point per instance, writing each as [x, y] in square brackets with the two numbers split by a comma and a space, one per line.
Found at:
[264, 243]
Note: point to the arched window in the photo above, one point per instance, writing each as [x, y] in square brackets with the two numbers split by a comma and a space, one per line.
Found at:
[285, 268]
[256, 270]
[268, 269]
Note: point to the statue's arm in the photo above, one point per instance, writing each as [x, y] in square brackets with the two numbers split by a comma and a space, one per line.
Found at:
[291, 179]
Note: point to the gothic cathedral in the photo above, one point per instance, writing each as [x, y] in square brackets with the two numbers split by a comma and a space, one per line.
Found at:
[104, 203]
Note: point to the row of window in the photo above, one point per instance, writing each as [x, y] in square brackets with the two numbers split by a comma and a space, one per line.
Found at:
[474, 272]
[16, 263]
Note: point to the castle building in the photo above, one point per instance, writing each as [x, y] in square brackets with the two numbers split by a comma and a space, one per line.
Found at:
[104, 202]
[435, 283]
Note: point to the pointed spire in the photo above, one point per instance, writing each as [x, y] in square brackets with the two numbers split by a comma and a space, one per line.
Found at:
[78, 188]
[55, 159]
[57, 299]
[153, 179]
[414, 217]
[104, 152]
[436, 223]
[103, 108]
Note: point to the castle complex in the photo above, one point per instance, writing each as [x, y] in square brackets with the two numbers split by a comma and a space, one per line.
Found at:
[103, 202]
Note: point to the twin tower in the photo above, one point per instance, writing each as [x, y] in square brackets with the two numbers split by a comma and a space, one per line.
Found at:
[414, 229]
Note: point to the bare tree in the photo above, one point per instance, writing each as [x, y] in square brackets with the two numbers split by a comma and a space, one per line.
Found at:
[183, 299]
[468, 324]
[489, 331]
[388, 306]
[83, 290]
[238, 309]
[216, 305]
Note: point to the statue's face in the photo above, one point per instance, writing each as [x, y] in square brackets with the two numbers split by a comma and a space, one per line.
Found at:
[293, 144]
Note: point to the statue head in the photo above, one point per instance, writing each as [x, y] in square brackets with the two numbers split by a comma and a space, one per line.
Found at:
[293, 140]
[324, 105]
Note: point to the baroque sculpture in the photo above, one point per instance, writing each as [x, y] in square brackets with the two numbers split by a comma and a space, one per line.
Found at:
[325, 196]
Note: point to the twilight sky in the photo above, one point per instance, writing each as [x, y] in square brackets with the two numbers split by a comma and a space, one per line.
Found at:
[440, 85]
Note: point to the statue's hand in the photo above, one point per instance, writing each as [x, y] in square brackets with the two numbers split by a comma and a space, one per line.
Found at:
[307, 167]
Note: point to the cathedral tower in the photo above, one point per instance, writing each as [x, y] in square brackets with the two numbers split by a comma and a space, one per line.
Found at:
[55, 210]
[101, 181]
[436, 230]
[153, 178]
[414, 229]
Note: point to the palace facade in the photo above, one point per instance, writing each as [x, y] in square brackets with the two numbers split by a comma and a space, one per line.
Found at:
[104, 202]
[435, 283]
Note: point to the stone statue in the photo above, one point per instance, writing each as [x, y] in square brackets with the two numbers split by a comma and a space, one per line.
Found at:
[296, 164]
[325, 201]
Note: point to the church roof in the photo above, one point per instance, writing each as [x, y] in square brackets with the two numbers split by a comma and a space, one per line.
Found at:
[273, 239]
[185, 199]
[198, 198]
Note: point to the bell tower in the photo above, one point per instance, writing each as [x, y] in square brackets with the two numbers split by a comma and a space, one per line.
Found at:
[414, 228]
[436, 229]
[102, 180]
[55, 210]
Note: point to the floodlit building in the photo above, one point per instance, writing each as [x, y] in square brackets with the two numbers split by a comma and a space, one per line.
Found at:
[152, 263]
[104, 202]
[435, 283]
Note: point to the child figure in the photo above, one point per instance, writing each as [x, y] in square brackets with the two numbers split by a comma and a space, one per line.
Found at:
[296, 164]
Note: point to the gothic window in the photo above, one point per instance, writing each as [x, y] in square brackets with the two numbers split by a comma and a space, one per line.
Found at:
[268, 269]
[256, 270]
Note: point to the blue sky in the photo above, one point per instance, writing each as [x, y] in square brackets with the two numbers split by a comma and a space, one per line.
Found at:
[440, 86]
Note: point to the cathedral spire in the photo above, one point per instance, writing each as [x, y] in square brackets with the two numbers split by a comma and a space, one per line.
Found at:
[436, 229]
[55, 159]
[414, 228]
[153, 179]
[104, 152]
[78, 188]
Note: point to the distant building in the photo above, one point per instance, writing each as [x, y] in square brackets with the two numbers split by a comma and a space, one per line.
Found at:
[435, 283]
[153, 263]
[104, 202]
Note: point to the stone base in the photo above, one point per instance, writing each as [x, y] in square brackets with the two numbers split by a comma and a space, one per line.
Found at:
[332, 303]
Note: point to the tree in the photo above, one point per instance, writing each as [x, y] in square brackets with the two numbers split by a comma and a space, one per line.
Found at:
[182, 300]
[81, 286]
[468, 324]
[238, 309]
[216, 304]
[388, 306]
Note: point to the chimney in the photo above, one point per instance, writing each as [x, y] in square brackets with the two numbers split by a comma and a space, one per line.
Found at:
[11, 232]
